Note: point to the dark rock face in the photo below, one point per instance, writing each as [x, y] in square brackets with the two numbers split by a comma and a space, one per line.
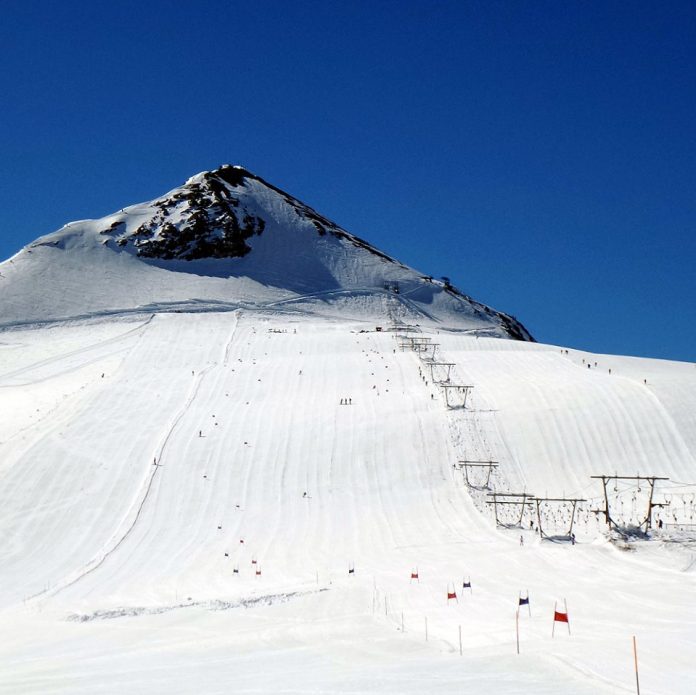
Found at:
[210, 223]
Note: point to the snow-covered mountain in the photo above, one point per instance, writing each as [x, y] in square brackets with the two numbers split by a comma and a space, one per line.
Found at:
[226, 238]
[218, 476]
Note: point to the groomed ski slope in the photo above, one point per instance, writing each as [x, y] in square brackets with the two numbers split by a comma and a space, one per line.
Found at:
[138, 454]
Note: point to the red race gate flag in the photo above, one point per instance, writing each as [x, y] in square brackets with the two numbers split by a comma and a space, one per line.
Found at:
[560, 617]
[452, 594]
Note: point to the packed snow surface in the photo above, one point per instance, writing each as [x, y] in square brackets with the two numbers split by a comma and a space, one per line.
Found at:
[188, 505]
[244, 451]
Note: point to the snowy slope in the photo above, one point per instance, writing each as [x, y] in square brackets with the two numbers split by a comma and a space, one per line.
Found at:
[224, 239]
[217, 475]
[118, 574]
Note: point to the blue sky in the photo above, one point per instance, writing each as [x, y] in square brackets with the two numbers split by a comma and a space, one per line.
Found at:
[540, 154]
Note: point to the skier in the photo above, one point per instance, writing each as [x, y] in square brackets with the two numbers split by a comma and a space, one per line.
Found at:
[521, 540]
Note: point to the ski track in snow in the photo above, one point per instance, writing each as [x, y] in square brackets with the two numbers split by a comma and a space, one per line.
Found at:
[382, 498]
[70, 357]
[215, 605]
[159, 457]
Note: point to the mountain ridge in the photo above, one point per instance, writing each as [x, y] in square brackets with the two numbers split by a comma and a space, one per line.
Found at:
[227, 235]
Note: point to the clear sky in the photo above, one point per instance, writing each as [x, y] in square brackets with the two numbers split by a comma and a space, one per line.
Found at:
[540, 154]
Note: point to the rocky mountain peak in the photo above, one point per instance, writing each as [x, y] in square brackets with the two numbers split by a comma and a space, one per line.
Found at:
[213, 215]
[227, 237]
[202, 219]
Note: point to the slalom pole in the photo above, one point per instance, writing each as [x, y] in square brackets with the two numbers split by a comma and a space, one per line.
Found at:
[460, 640]
[517, 628]
[402, 622]
[567, 616]
[635, 661]
[553, 629]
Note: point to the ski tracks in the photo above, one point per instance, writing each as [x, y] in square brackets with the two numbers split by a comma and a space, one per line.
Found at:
[114, 340]
[136, 509]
